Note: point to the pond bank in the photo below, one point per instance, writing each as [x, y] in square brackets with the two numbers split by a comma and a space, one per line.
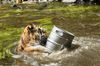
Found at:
[80, 20]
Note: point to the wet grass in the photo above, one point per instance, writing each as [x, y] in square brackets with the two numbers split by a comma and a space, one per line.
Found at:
[13, 20]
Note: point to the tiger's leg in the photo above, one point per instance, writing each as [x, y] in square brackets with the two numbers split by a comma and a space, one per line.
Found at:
[37, 48]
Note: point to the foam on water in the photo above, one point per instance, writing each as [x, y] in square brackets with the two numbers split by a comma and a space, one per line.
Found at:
[85, 51]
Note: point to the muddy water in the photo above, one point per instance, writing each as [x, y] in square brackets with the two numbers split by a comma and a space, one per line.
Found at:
[87, 31]
[82, 24]
[85, 50]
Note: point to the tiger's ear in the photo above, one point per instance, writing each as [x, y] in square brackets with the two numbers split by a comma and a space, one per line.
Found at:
[26, 29]
[29, 27]
[44, 30]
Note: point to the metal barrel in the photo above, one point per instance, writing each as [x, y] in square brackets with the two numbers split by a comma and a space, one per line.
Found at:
[57, 38]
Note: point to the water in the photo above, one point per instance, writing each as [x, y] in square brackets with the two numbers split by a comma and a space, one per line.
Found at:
[81, 54]
[85, 50]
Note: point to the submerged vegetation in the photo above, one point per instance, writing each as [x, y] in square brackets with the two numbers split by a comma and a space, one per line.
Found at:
[13, 20]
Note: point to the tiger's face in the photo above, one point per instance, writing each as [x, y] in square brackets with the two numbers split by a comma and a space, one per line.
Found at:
[32, 35]
[38, 33]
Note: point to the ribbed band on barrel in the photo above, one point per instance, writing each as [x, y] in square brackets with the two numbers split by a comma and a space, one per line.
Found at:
[53, 42]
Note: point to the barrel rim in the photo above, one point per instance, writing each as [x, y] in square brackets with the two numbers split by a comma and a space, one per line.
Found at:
[63, 30]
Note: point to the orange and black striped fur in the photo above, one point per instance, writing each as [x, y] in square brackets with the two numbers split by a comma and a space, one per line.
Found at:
[31, 37]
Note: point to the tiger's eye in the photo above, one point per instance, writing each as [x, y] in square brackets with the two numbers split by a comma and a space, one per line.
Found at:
[31, 27]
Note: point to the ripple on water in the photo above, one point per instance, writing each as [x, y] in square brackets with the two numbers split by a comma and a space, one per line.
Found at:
[87, 54]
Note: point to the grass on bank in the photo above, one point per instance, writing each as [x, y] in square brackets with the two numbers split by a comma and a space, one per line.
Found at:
[13, 20]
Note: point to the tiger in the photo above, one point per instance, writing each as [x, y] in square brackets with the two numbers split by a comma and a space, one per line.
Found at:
[33, 39]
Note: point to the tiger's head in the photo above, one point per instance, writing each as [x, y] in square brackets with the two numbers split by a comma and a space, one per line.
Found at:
[32, 34]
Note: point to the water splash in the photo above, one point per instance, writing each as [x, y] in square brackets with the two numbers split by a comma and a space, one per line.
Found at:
[84, 52]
